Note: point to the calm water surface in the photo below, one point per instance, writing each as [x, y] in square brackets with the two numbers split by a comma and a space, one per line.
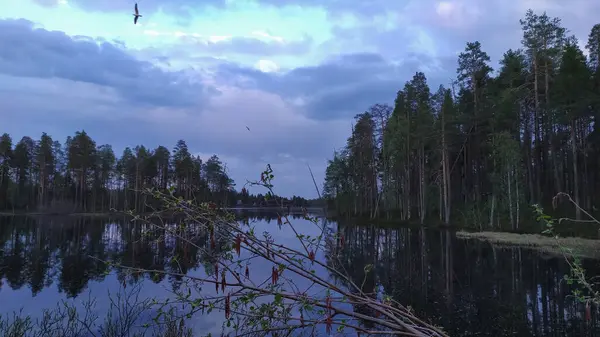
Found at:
[468, 287]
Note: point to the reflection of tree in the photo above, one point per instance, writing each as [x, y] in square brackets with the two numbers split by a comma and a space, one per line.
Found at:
[70, 251]
[468, 287]
[267, 216]
[41, 255]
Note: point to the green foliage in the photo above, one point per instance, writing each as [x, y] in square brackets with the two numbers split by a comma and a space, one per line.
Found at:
[488, 145]
[584, 290]
[81, 176]
[300, 293]
[123, 318]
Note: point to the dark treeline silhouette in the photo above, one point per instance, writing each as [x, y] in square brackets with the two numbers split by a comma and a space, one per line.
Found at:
[81, 176]
[489, 146]
[468, 287]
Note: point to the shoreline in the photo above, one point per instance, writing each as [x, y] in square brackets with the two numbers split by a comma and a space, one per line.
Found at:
[581, 247]
[108, 213]
[60, 214]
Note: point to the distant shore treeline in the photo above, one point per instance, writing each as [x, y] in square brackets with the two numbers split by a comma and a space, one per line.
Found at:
[80, 176]
[486, 148]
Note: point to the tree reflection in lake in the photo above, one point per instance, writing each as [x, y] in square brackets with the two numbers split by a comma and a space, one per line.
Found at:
[39, 251]
[468, 287]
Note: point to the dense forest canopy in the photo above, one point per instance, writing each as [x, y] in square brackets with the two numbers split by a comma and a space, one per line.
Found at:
[81, 176]
[487, 147]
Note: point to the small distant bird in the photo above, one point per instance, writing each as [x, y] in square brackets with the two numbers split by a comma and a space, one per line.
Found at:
[136, 15]
[248, 128]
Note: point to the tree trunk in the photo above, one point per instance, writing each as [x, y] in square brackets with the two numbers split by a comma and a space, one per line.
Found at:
[510, 204]
[445, 173]
[537, 146]
[575, 170]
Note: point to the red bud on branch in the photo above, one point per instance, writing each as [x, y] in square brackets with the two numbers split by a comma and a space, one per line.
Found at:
[223, 282]
[227, 306]
[238, 243]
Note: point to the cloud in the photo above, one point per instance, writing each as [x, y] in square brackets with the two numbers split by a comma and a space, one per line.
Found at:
[55, 83]
[341, 86]
[278, 135]
[39, 53]
[450, 12]
[495, 23]
[182, 7]
[227, 45]
[254, 46]
[297, 95]
[266, 66]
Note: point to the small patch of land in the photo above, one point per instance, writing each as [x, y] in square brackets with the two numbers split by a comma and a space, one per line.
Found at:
[586, 248]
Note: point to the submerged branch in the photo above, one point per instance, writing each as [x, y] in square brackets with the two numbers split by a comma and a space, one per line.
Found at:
[276, 304]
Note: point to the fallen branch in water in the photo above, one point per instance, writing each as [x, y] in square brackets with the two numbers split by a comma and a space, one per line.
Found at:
[275, 304]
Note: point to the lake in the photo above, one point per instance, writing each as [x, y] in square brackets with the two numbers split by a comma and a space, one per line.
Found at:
[470, 288]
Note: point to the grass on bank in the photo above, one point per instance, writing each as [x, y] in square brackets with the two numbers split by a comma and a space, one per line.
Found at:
[585, 248]
[128, 315]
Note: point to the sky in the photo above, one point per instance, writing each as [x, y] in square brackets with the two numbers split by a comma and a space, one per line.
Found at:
[295, 72]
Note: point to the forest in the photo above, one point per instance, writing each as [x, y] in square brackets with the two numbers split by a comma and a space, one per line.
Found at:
[80, 176]
[486, 148]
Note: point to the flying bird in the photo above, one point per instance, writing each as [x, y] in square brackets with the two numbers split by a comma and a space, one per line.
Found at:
[248, 128]
[136, 15]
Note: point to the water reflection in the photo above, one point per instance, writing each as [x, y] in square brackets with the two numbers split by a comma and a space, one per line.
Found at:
[39, 251]
[468, 287]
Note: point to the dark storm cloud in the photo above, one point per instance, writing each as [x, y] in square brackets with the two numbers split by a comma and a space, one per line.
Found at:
[39, 53]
